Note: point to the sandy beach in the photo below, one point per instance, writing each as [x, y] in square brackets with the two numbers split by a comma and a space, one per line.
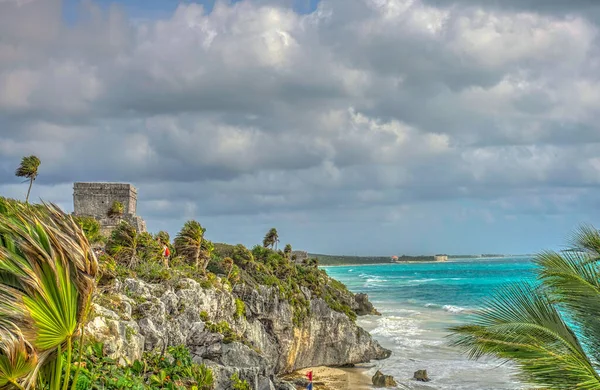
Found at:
[327, 378]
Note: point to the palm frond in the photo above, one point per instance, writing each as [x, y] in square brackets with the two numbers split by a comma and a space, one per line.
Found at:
[18, 358]
[28, 167]
[47, 276]
[587, 239]
[573, 282]
[521, 324]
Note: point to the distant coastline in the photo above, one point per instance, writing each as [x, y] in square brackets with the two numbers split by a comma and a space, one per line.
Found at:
[332, 260]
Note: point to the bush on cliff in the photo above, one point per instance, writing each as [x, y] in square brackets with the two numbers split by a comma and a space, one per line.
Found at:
[172, 370]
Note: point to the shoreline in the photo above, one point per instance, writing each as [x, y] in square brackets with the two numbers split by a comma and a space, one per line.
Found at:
[336, 378]
[423, 262]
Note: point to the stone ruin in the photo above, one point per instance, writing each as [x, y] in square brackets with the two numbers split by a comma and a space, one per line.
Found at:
[96, 200]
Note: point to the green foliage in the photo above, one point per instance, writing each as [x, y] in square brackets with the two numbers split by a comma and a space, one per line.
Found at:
[229, 335]
[271, 239]
[130, 248]
[116, 209]
[47, 277]
[189, 244]
[91, 228]
[28, 169]
[238, 384]
[550, 330]
[174, 371]
[326, 260]
[240, 308]
[287, 251]
[163, 237]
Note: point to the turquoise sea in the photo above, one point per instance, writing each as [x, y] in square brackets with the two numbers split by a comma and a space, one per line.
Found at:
[418, 302]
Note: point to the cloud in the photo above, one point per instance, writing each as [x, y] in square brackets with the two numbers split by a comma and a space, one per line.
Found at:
[361, 110]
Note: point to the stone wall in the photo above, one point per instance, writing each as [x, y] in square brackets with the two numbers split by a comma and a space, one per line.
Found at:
[96, 199]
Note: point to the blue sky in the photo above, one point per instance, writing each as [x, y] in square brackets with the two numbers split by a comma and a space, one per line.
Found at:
[371, 127]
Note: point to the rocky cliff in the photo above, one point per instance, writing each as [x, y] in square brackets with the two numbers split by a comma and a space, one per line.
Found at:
[249, 330]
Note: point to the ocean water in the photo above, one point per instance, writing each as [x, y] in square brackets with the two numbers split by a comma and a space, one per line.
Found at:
[418, 302]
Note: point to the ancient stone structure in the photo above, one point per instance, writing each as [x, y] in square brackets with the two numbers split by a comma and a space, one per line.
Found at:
[299, 256]
[96, 199]
[440, 257]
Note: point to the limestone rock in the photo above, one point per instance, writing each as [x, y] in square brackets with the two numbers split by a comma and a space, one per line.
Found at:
[363, 306]
[381, 380]
[170, 315]
[421, 375]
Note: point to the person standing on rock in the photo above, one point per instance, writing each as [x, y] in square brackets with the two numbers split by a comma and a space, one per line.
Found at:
[309, 375]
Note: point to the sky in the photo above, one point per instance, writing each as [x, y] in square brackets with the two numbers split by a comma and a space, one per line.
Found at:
[360, 127]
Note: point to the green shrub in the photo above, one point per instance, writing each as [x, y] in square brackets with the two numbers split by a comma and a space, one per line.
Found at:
[174, 371]
[90, 227]
[116, 209]
[240, 308]
[204, 316]
[238, 384]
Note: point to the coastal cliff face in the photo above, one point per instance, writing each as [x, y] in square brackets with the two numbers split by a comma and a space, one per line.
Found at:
[248, 330]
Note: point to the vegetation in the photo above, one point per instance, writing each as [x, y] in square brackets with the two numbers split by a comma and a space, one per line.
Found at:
[240, 308]
[271, 239]
[28, 169]
[47, 278]
[287, 251]
[550, 329]
[238, 384]
[48, 274]
[191, 245]
[116, 209]
[173, 370]
[356, 260]
[91, 228]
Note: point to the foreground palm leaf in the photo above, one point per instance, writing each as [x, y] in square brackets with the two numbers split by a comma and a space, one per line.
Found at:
[17, 358]
[550, 330]
[47, 277]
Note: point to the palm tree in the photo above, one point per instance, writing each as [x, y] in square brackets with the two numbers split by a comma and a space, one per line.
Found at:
[188, 242]
[29, 169]
[271, 239]
[550, 329]
[47, 278]
[124, 244]
[287, 251]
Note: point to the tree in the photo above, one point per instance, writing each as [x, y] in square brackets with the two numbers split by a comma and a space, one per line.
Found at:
[549, 329]
[188, 243]
[28, 169]
[287, 251]
[124, 245]
[271, 239]
[163, 237]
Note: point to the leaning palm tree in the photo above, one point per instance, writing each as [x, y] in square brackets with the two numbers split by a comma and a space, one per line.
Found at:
[124, 245]
[271, 239]
[28, 169]
[550, 329]
[47, 277]
[188, 243]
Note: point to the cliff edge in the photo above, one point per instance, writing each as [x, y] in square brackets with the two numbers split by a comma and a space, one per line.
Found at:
[248, 330]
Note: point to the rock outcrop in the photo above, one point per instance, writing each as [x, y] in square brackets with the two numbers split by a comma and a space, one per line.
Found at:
[135, 316]
[421, 376]
[381, 380]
